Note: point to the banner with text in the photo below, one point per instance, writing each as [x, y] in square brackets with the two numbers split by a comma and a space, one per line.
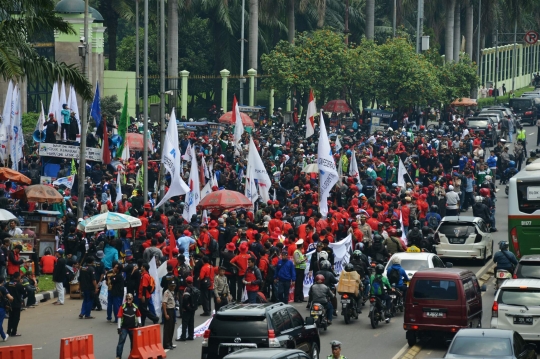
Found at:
[67, 151]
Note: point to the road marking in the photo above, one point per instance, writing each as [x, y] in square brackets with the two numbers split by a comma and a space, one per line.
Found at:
[413, 351]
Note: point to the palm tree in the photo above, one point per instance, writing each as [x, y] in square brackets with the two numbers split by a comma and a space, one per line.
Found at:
[457, 30]
[469, 19]
[449, 38]
[370, 19]
[112, 10]
[253, 39]
[290, 21]
[23, 20]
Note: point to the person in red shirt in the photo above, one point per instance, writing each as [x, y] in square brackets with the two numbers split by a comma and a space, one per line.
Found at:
[357, 233]
[240, 262]
[276, 222]
[144, 223]
[204, 241]
[206, 279]
[47, 263]
[145, 295]
[321, 223]
[374, 221]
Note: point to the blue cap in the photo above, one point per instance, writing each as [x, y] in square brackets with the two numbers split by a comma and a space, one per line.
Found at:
[60, 250]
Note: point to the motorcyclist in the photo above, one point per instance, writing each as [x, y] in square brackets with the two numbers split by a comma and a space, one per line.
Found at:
[433, 218]
[378, 252]
[330, 279]
[320, 293]
[361, 264]
[336, 350]
[490, 203]
[481, 210]
[393, 243]
[379, 288]
[350, 268]
[414, 237]
[403, 277]
[504, 259]
[509, 172]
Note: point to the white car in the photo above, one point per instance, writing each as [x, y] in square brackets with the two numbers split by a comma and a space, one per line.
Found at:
[413, 262]
[464, 237]
[517, 307]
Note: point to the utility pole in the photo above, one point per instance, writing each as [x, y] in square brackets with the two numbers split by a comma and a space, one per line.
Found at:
[514, 56]
[346, 30]
[137, 75]
[242, 41]
[478, 55]
[145, 104]
[419, 26]
[495, 90]
[81, 175]
[161, 188]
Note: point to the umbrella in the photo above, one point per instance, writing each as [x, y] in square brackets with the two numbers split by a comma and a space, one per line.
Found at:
[339, 106]
[224, 199]
[227, 118]
[311, 168]
[39, 193]
[465, 102]
[108, 220]
[7, 174]
[7, 216]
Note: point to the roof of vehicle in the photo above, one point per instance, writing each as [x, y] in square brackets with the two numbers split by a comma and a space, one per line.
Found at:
[530, 257]
[442, 273]
[478, 118]
[481, 332]
[460, 219]
[261, 353]
[247, 309]
[520, 283]
[412, 255]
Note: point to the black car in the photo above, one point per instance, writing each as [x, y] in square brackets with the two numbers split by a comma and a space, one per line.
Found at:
[528, 267]
[239, 326]
[486, 125]
[525, 108]
[270, 353]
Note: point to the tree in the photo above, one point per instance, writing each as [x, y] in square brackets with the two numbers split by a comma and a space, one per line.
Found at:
[23, 20]
[458, 78]
[361, 72]
[110, 106]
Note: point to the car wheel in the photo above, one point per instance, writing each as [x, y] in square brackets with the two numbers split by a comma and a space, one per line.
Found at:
[411, 341]
[314, 351]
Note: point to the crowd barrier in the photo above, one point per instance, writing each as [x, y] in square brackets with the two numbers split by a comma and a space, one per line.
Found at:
[80, 347]
[16, 352]
[147, 343]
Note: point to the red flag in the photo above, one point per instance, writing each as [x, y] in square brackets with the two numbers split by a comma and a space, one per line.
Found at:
[310, 113]
[106, 152]
[172, 244]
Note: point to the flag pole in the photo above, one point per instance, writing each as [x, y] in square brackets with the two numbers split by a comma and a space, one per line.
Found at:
[84, 125]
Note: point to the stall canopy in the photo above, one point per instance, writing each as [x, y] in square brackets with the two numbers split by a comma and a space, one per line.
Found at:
[338, 106]
[225, 199]
[39, 193]
[465, 102]
[7, 174]
[108, 220]
[227, 118]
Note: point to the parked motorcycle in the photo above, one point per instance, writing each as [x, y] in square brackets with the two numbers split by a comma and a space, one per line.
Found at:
[376, 312]
[349, 307]
[318, 313]
[500, 276]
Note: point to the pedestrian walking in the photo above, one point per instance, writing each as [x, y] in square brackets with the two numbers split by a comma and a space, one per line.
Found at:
[89, 287]
[285, 276]
[16, 289]
[115, 286]
[59, 275]
[168, 304]
[129, 318]
[190, 303]
[5, 303]
[145, 295]
[207, 286]
[300, 268]
[252, 281]
[222, 293]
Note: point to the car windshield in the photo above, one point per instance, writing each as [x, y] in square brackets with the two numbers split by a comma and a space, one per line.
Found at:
[435, 289]
[240, 326]
[481, 346]
[477, 123]
[528, 297]
[414, 264]
[456, 230]
[520, 104]
[527, 269]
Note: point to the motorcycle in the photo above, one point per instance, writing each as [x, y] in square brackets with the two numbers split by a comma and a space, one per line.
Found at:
[318, 313]
[500, 276]
[348, 307]
[397, 300]
[376, 311]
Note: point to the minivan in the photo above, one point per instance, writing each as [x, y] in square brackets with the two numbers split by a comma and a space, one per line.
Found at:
[525, 108]
[442, 300]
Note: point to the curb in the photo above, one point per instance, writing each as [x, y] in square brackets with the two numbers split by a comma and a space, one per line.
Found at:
[45, 296]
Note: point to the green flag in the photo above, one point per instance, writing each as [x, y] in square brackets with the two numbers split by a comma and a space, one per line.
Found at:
[123, 125]
[140, 177]
[73, 167]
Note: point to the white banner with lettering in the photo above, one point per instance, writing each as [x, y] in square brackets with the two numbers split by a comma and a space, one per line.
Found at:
[342, 255]
[67, 151]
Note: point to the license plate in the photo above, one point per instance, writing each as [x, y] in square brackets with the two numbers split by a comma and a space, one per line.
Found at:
[523, 320]
[316, 312]
[435, 314]
[503, 275]
[345, 301]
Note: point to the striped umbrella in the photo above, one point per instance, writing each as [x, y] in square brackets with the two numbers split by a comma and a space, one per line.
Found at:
[108, 220]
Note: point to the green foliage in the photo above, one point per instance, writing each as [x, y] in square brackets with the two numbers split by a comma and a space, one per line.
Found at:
[126, 52]
[110, 106]
[29, 121]
[458, 79]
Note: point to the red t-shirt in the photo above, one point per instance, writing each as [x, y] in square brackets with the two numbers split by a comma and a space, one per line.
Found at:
[241, 261]
[47, 264]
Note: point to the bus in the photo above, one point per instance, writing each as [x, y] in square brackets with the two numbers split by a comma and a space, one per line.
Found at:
[524, 211]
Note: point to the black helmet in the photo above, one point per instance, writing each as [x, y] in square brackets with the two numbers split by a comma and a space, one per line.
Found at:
[379, 269]
[503, 245]
[378, 238]
[357, 254]
[417, 224]
[326, 265]
[435, 208]
[349, 267]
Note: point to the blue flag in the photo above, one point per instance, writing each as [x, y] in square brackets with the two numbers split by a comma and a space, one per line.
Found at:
[95, 110]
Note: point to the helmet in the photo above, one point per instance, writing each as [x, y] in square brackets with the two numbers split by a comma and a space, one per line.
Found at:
[379, 269]
[416, 223]
[396, 260]
[479, 199]
[323, 255]
[377, 238]
[326, 265]
[392, 232]
[319, 278]
[511, 164]
[359, 247]
[356, 254]
[503, 245]
[349, 267]
[485, 192]
[488, 178]
[434, 208]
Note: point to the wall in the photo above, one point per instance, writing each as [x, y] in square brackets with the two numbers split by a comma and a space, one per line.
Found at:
[114, 83]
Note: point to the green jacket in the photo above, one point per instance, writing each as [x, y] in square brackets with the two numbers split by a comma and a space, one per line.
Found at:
[376, 289]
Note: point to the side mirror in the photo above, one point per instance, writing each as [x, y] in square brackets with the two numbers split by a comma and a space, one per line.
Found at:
[483, 288]
[310, 321]
[449, 264]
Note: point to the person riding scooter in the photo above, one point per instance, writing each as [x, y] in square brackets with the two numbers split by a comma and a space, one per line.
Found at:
[397, 276]
[504, 259]
[320, 293]
[380, 288]
[330, 280]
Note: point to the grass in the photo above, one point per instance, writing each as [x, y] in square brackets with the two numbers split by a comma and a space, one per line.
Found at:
[46, 283]
[490, 101]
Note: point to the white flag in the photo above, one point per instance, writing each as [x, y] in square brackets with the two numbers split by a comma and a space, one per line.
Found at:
[353, 168]
[340, 171]
[250, 186]
[328, 175]
[256, 166]
[171, 160]
[66, 181]
[214, 181]
[402, 171]
[55, 101]
[118, 187]
[156, 296]
[187, 156]
[338, 144]
[193, 197]
[207, 189]
[310, 115]
[204, 219]
[13, 129]
[238, 127]
[205, 168]
[72, 104]
[125, 152]
[6, 116]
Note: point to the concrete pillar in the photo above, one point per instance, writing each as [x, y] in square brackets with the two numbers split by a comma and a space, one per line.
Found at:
[252, 73]
[184, 94]
[270, 102]
[288, 105]
[224, 82]
[520, 60]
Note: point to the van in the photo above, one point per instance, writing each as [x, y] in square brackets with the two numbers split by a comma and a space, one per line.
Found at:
[442, 300]
[525, 107]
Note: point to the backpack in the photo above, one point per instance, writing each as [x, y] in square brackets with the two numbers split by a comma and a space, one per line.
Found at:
[433, 222]
[394, 276]
[213, 247]
[271, 271]
[152, 284]
[377, 286]
[195, 297]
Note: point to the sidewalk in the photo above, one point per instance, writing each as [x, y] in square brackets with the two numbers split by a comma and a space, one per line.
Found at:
[45, 296]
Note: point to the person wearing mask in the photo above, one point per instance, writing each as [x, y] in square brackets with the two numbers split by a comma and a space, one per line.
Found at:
[115, 286]
[5, 300]
[16, 290]
[222, 294]
[284, 276]
[299, 260]
[252, 281]
[189, 306]
[89, 287]
[59, 275]
[320, 293]
[206, 278]
[129, 318]
[145, 295]
[168, 304]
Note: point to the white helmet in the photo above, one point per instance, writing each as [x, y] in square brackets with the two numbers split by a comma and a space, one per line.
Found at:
[450, 188]
[479, 199]
[323, 255]
[396, 260]
[488, 178]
